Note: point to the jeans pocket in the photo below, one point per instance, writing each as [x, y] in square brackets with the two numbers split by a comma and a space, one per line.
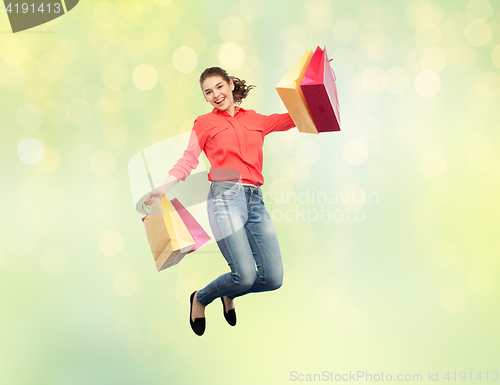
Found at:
[227, 191]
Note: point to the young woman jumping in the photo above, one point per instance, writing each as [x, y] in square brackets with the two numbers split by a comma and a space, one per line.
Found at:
[232, 139]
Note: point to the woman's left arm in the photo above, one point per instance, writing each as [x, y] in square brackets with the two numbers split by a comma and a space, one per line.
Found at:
[276, 122]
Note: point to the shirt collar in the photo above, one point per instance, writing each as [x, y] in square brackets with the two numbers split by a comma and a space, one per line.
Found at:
[236, 110]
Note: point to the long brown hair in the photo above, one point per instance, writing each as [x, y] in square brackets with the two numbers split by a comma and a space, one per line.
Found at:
[240, 91]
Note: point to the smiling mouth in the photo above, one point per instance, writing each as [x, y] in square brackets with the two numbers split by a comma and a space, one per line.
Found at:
[220, 101]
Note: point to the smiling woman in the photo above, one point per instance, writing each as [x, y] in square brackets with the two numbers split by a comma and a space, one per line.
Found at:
[223, 91]
[232, 140]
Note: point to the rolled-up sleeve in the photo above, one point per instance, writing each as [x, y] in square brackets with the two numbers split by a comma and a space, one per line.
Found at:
[189, 160]
[276, 122]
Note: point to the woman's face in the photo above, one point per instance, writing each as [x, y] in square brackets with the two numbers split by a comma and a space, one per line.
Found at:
[218, 92]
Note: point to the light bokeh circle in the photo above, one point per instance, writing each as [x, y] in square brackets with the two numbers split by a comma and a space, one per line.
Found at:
[355, 152]
[13, 51]
[478, 32]
[110, 243]
[427, 83]
[495, 56]
[418, 13]
[433, 59]
[30, 150]
[145, 77]
[231, 55]
[184, 59]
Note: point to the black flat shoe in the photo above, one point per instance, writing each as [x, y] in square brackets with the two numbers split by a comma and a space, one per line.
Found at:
[230, 316]
[198, 325]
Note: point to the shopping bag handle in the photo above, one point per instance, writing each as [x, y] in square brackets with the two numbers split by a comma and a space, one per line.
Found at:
[145, 217]
[334, 76]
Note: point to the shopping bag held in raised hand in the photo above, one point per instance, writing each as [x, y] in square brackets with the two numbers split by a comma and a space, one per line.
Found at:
[320, 92]
[292, 96]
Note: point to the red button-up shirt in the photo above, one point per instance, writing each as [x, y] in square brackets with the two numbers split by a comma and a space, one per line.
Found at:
[231, 143]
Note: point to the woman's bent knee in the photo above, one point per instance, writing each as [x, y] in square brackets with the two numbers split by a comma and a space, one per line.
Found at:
[244, 281]
[273, 283]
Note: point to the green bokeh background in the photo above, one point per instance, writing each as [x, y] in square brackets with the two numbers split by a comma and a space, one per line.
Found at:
[410, 287]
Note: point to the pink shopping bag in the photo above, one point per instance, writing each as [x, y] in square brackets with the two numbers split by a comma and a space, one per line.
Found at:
[199, 235]
[320, 92]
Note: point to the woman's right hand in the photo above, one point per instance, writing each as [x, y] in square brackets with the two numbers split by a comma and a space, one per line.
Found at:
[162, 190]
[158, 192]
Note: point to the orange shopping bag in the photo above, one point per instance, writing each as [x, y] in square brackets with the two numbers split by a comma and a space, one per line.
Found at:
[293, 98]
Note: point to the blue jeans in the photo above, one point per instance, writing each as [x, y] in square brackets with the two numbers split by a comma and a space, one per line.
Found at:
[246, 237]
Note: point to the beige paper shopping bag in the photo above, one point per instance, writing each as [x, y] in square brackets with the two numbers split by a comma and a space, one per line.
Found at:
[293, 98]
[167, 234]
